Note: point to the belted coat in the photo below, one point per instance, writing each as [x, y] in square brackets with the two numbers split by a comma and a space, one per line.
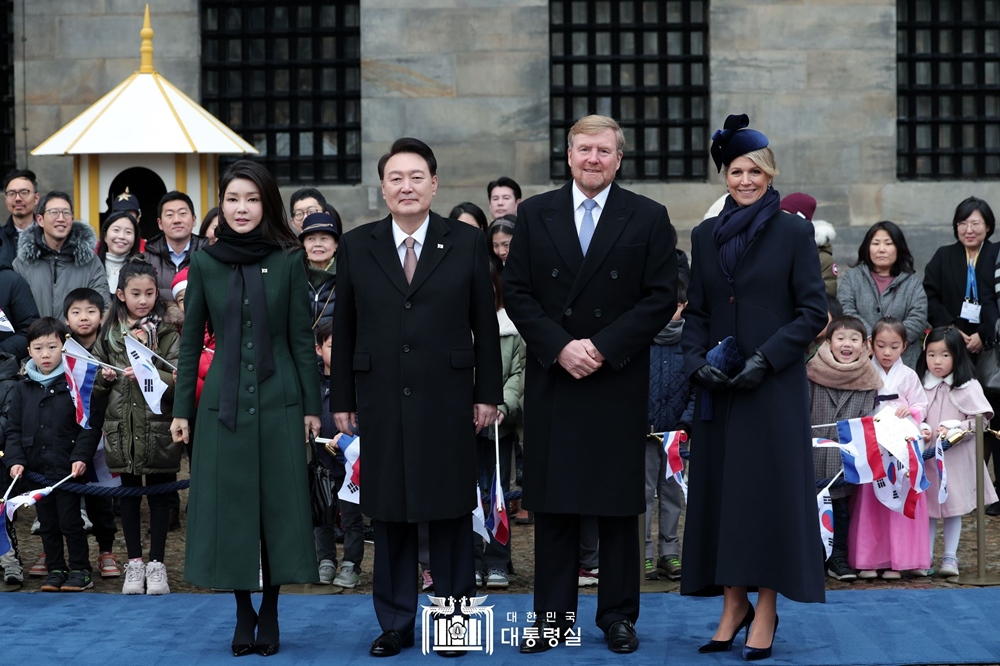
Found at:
[584, 439]
[412, 359]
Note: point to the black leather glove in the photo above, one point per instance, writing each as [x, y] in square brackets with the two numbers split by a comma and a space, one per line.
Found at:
[710, 377]
[752, 375]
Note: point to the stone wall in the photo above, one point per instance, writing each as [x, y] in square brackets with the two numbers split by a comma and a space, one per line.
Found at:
[77, 51]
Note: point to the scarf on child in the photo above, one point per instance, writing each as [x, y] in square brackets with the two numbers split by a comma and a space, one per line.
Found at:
[34, 374]
[825, 370]
[148, 326]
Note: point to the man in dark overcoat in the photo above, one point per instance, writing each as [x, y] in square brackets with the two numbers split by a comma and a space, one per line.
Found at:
[590, 279]
[416, 368]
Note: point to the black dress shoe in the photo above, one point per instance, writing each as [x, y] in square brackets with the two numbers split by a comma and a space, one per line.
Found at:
[545, 637]
[993, 509]
[451, 653]
[755, 654]
[622, 638]
[723, 646]
[266, 650]
[242, 649]
[390, 643]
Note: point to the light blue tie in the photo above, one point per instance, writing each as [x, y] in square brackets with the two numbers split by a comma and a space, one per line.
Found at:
[587, 226]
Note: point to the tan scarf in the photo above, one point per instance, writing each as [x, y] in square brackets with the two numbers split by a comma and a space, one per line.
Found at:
[825, 370]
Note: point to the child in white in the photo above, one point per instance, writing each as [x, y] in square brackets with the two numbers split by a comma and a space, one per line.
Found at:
[880, 538]
[954, 397]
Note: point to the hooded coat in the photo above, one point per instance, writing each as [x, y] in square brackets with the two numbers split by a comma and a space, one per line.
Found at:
[751, 517]
[52, 274]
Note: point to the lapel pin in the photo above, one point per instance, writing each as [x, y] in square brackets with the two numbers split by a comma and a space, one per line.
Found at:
[440, 246]
[263, 270]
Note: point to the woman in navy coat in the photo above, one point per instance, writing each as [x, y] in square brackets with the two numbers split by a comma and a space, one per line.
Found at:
[751, 518]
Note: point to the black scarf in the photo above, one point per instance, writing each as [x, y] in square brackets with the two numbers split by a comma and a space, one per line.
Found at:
[244, 252]
[737, 225]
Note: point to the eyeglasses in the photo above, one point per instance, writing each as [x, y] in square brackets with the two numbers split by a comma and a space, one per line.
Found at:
[61, 212]
[977, 225]
[24, 194]
[300, 214]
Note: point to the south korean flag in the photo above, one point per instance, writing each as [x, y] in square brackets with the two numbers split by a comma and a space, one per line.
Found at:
[146, 374]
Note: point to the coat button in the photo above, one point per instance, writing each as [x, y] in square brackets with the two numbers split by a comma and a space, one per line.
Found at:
[248, 323]
[614, 275]
[246, 301]
[555, 272]
[252, 411]
[249, 345]
[250, 367]
[406, 305]
[406, 391]
[406, 348]
[597, 312]
[568, 311]
[251, 389]
[731, 300]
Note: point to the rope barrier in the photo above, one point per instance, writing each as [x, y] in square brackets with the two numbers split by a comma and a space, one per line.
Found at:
[105, 491]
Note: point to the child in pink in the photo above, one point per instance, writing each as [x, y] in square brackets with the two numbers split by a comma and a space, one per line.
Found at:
[954, 398]
[879, 538]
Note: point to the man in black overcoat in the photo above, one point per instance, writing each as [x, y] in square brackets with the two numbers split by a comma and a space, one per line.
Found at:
[415, 367]
[590, 279]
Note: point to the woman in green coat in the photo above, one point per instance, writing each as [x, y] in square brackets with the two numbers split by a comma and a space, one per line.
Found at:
[248, 472]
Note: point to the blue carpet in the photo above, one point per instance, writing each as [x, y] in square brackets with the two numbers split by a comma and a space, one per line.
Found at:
[957, 626]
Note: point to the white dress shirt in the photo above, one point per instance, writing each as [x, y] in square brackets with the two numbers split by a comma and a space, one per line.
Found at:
[578, 209]
[398, 236]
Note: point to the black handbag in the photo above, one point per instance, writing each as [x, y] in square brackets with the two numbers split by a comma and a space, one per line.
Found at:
[322, 489]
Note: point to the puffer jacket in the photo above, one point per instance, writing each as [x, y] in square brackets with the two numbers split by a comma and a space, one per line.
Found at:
[671, 399]
[513, 358]
[322, 292]
[137, 441]
[51, 275]
[157, 253]
[825, 234]
[42, 432]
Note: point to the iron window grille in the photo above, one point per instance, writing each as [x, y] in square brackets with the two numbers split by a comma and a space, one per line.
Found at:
[644, 64]
[948, 89]
[287, 77]
[8, 146]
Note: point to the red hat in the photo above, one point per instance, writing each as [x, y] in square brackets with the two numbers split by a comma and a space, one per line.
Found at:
[798, 203]
[180, 282]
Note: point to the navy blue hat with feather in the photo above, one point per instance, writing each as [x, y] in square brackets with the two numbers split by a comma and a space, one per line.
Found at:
[735, 139]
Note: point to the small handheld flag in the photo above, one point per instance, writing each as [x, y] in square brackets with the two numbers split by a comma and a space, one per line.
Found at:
[825, 505]
[942, 471]
[350, 490]
[860, 451]
[98, 473]
[478, 517]
[496, 522]
[5, 327]
[675, 466]
[148, 376]
[80, 376]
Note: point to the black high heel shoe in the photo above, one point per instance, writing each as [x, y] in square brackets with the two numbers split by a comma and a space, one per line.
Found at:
[724, 646]
[243, 641]
[753, 654]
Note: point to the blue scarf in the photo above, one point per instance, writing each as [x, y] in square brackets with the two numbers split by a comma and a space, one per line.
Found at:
[737, 225]
[35, 374]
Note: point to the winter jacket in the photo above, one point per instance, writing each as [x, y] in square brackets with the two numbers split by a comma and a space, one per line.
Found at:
[18, 304]
[137, 441]
[43, 434]
[825, 234]
[8, 241]
[904, 300]
[52, 275]
[157, 253]
[671, 398]
[513, 357]
[322, 292]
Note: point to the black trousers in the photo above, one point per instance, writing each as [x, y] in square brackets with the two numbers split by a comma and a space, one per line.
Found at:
[841, 525]
[59, 517]
[159, 516]
[557, 563]
[394, 583]
[102, 515]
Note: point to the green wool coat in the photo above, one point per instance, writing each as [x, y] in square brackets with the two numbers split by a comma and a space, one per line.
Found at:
[254, 477]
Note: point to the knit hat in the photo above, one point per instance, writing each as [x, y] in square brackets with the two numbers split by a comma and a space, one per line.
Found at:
[735, 139]
[180, 282]
[799, 203]
[319, 222]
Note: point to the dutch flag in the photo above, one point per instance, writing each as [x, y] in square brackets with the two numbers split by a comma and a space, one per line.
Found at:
[860, 451]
